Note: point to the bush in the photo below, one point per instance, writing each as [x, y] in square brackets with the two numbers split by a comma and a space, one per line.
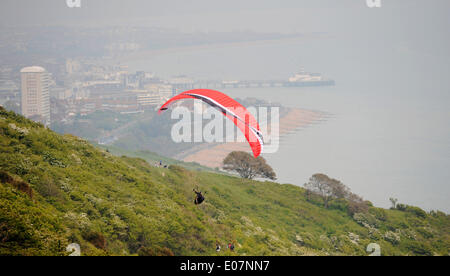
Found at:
[412, 209]
[339, 204]
[425, 233]
[416, 211]
[47, 188]
[357, 207]
[17, 183]
[401, 207]
[365, 219]
[392, 237]
[419, 248]
[95, 238]
[379, 213]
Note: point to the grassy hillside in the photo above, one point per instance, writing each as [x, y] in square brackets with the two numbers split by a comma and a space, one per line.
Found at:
[57, 189]
[154, 158]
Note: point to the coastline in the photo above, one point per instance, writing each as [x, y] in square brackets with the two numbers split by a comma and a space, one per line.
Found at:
[127, 57]
[211, 155]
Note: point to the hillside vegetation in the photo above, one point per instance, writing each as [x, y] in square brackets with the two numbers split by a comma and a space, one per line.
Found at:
[154, 158]
[59, 189]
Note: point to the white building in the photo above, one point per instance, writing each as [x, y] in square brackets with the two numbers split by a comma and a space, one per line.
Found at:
[145, 97]
[35, 94]
[163, 90]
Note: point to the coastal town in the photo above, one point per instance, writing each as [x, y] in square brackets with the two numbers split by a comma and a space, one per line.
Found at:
[84, 88]
[53, 78]
[81, 87]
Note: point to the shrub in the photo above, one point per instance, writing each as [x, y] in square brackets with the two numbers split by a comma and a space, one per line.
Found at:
[392, 237]
[47, 188]
[95, 238]
[17, 183]
[365, 219]
[401, 207]
[418, 248]
[357, 207]
[416, 211]
[425, 233]
[379, 213]
[412, 209]
[339, 204]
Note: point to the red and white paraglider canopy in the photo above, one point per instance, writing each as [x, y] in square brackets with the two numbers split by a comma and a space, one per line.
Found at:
[230, 108]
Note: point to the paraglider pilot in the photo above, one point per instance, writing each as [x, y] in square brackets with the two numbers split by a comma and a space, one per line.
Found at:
[199, 197]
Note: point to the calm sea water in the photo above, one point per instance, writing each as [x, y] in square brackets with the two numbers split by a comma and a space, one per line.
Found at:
[389, 135]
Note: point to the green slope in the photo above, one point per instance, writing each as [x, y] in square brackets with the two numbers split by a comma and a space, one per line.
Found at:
[57, 189]
[154, 158]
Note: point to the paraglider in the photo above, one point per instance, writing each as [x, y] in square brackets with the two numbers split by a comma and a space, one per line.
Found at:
[231, 109]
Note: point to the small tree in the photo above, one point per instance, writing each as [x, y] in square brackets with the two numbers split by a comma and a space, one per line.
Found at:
[330, 188]
[319, 184]
[247, 166]
[393, 202]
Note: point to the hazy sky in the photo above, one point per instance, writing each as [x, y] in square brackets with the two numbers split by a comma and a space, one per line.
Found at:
[419, 23]
[261, 15]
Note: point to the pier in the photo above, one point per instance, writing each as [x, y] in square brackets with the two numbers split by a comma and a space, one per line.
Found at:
[211, 84]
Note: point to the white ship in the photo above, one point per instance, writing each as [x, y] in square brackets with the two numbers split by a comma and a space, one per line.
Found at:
[303, 76]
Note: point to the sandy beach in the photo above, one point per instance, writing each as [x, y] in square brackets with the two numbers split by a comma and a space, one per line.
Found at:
[212, 156]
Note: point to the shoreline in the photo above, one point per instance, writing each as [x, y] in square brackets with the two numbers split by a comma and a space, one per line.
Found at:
[124, 58]
[212, 155]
